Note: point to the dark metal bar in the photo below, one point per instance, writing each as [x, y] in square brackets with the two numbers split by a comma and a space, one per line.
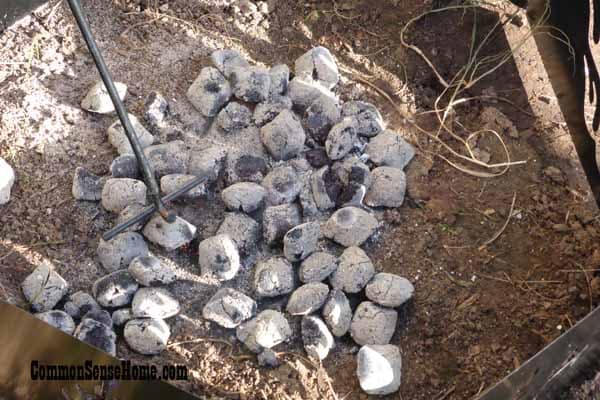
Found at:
[150, 210]
[147, 172]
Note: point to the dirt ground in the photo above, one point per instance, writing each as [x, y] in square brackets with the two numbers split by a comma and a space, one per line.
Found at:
[480, 310]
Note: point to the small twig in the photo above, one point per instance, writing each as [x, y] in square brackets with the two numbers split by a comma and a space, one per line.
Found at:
[589, 286]
[447, 393]
[497, 235]
[199, 340]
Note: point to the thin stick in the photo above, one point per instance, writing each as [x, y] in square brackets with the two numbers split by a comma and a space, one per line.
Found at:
[589, 286]
[199, 340]
[497, 235]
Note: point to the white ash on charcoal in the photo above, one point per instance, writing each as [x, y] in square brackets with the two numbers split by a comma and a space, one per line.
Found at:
[242, 229]
[379, 369]
[266, 112]
[373, 324]
[389, 290]
[101, 316]
[173, 182]
[148, 270]
[7, 180]
[282, 186]
[218, 257]
[118, 138]
[209, 92]
[118, 252]
[121, 316]
[44, 288]
[251, 84]
[389, 149]
[350, 226]
[353, 272]
[284, 136]
[129, 212]
[98, 335]
[244, 196]
[156, 109]
[118, 193]
[79, 303]
[266, 330]
[229, 308]
[115, 289]
[317, 267]
[86, 185]
[234, 117]
[58, 319]
[273, 277]
[168, 158]
[319, 64]
[278, 220]
[226, 61]
[307, 299]
[280, 79]
[124, 166]
[97, 99]
[169, 235]
[317, 339]
[147, 335]
[301, 241]
[207, 162]
[154, 302]
[337, 312]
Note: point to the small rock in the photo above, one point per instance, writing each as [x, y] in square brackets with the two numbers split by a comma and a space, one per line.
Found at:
[209, 92]
[173, 182]
[168, 158]
[244, 196]
[147, 270]
[147, 335]
[389, 149]
[124, 166]
[350, 226]
[171, 236]
[379, 369]
[317, 267]
[229, 308]
[317, 339]
[267, 330]
[234, 117]
[118, 193]
[369, 120]
[101, 316]
[118, 138]
[387, 188]
[304, 91]
[319, 64]
[278, 220]
[251, 84]
[267, 111]
[321, 116]
[341, 139]
[7, 180]
[301, 241]
[243, 230]
[354, 271]
[554, 174]
[118, 252]
[58, 319]
[307, 298]
[218, 257]
[121, 316]
[44, 288]
[273, 277]
[86, 186]
[115, 289]
[389, 290]
[154, 303]
[337, 312]
[156, 109]
[227, 60]
[373, 324]
[283, 137]
[268, 359]
[207, 162]
[282, 186]
[79, 303]
[98, 101]
[317, 158]
[129, 212]
[280, 79]
[98, 335]
[243, 167]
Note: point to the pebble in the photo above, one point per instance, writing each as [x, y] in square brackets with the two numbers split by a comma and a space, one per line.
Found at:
[234, 117]
[284, 136]
[147, 335]
[243, 230]
[207, 162]
[58, 319]
[229, 308]
[268, 359]
[317, 267]
[251, 84]
[317, 339]
[373, 324]
[337, 312]
[341, 139]
[170, 236]
[209, 92]
[321, 116]
[282, 186]
[350, 226]
[280, 79]
[153, 302]
[121, 316]
[86, 186]
[118, 252]
[266, 330]
[129, 212]
[156, 109]
[115, 289]
[124, 166]
[319, 64]
[379, 369]
[304, 91]
[389, 149]
[98, 101]
[267, 111]
[79, 303]
[118, 138]
[273, 277]
[98, 335]
[118, 193]
[354, 271]
[389, 290]
[173, 182]
[147, 270]
[369, 122]
[301, 241]
[278, 220]
[227, 60]
[7, 180]
[101, 316]
[387, 189]
[168, 158]
[307, 299]
[218, 257]
[44, 288]
[244, 196]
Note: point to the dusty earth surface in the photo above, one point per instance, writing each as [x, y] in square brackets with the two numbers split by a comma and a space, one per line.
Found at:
[484, 302]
